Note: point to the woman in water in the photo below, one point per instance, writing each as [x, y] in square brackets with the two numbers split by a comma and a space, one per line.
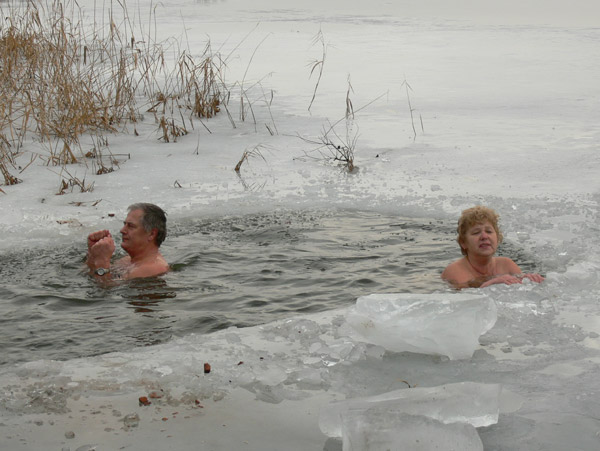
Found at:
[479, 237]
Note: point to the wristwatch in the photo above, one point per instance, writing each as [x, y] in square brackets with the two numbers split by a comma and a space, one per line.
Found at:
[101, 271]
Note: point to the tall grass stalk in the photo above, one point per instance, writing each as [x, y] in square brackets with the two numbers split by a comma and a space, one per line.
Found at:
[412, 110]
[318, 64]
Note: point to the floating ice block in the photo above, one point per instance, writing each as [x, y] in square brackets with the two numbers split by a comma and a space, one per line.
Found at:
[447, 324]
[388, 430]
[463, 402]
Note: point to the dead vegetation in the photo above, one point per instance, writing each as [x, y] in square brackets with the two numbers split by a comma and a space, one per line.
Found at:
[335, 145]
[254, 152]
[412, 110]
[318, 64]
[339, 146]
[66, 84]
[331, 146]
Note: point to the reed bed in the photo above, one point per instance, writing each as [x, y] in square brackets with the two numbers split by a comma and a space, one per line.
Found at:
[68, 84]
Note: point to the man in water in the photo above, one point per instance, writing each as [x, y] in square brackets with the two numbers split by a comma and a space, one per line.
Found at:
[144, 230]
[479, 237]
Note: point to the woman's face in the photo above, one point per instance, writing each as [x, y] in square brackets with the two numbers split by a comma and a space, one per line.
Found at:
[480, 240]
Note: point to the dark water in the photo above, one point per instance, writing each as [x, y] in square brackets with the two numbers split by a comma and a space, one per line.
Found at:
[239, 271]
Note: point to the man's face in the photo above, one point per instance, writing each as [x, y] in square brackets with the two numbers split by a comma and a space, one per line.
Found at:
[135, 237]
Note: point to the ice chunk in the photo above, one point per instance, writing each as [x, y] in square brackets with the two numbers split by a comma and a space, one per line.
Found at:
[308, 378]
[271, 375]
[439, 323]
[380, 429]
[466, 402]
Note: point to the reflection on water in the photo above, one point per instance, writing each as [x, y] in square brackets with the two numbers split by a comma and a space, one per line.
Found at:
[226, 272]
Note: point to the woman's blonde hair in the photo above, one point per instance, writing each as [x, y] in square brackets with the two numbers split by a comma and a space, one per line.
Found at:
[473, 216]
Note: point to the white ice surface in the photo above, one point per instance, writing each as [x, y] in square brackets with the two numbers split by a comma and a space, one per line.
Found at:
[509, 97]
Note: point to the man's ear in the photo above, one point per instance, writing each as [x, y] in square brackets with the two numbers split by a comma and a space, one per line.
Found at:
[153, 235]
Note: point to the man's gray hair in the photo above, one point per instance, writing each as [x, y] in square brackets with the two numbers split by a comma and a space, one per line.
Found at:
[154, 218]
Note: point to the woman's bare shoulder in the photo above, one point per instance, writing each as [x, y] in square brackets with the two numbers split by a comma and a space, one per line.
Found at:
[455, 271]
[505, 265]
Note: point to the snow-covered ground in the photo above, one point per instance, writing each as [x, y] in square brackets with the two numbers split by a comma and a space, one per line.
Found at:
[509, 100]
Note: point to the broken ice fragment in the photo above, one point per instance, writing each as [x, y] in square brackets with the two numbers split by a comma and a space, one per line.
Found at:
[447, 324]
[466, 402]
[379, 429]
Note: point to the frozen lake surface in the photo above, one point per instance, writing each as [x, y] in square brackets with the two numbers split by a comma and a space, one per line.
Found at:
[508, 97]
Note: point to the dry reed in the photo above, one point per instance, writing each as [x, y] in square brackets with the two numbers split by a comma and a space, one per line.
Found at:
[255, 152]
[63, 82]
[412, 110]
[331, 146]
[320, 64]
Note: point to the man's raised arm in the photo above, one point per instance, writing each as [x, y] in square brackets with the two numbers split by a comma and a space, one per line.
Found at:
[101, 247]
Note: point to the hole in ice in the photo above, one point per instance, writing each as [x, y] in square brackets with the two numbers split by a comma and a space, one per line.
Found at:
[231, 271]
